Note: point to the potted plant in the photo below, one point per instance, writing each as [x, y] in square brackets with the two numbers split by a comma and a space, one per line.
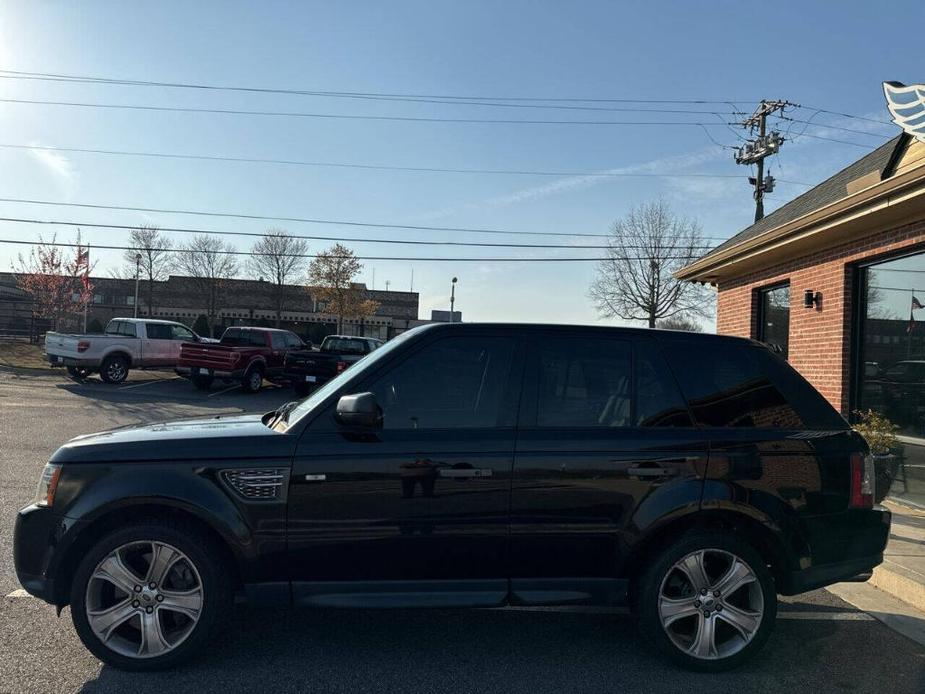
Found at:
[880, 434]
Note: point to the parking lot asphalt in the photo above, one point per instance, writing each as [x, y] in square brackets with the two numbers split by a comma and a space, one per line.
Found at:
[820, 644]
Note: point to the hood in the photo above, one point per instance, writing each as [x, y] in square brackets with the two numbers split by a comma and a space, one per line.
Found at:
[223, 437]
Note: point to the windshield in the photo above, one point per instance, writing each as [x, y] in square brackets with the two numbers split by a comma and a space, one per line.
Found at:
[367, 363]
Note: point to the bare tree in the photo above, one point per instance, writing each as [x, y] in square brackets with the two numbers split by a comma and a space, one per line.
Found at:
[155, 260]
[635, 280]
[209, 262]
[281, 259]
[680, 323]
[331, 277]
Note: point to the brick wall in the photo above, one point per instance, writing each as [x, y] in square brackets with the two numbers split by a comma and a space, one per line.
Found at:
[820, 337]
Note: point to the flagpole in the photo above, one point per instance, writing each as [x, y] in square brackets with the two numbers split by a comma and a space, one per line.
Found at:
[86, 300]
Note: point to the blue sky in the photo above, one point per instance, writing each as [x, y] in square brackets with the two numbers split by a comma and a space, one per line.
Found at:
[819, 54]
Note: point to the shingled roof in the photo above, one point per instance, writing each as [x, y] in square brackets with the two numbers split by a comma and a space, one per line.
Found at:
[829, 191]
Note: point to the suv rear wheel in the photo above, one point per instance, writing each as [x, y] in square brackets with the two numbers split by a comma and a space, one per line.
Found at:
[708, 601]
[149, 596]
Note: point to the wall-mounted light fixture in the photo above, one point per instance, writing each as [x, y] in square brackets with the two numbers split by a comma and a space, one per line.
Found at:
[811, 298]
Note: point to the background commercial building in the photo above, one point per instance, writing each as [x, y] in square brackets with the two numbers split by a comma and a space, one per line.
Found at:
[242, 302]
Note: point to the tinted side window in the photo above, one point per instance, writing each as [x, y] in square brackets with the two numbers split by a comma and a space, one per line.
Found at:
[726, 387]
[583, 383]
[178, 332]
[114, 327]
[451, 383]
[278, 340]
[232, 336]
[293, 341]
[659, 403]
[127, 329]
[157, 331]
[255, 338]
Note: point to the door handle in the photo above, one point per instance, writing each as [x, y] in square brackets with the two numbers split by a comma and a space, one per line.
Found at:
[315, 478]
[465, 472]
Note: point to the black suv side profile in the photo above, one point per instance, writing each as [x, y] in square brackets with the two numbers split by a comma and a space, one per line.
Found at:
[692, 477]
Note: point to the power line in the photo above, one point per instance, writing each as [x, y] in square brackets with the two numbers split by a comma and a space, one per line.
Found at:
[841, 142]
[340, 116]
[57, 77]
[833, 127]
[216, 232]
[204, 213]
[847, 115]
[375, 167]
[59, 244]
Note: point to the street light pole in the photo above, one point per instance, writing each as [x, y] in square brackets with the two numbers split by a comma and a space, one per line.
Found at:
[452, 300]
[137, 278]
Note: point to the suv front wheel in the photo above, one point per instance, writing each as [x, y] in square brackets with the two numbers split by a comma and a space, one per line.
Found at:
[708, 601]
[149, 596]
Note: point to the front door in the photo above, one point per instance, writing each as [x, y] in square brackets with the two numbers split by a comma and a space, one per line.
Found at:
[416, 512]
[605, 448]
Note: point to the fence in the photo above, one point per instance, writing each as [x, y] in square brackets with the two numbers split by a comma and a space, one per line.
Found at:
[19, 323]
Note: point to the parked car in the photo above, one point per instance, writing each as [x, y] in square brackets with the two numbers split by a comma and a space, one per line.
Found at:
[248, 355]
[128, 343]
[693, 477]
[307, 369]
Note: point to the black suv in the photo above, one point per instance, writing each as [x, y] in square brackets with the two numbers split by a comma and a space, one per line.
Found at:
[692, 477]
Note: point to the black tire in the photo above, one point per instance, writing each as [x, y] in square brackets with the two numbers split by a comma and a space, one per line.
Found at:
[253, 379]
[300, 388]
[78, 372]
[217, 594]
[202, 382]
[648, 589]
[114, 369]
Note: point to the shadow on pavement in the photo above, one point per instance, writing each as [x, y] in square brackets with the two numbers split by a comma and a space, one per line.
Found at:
[507, 651]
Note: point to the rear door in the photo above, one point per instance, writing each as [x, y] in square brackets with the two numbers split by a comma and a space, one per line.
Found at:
[158, 343]
[605, 449]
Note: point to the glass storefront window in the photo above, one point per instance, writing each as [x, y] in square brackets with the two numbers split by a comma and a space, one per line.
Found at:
[891, 365]
[774, 318]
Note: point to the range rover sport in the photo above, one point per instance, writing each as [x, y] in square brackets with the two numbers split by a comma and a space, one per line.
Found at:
[691, 477]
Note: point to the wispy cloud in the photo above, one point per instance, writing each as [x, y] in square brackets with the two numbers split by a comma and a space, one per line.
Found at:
[60, 167]
[580, 182]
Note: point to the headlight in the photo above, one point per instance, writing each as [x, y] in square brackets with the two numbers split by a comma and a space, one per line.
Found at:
[45, 494]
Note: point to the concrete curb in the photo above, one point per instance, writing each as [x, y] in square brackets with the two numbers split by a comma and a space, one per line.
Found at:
[901, 583]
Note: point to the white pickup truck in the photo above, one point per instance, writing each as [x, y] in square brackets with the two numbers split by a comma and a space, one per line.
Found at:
[128, 343]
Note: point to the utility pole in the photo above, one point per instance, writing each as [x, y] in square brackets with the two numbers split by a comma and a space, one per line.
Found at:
[452, 300]
[756, 150]
[137, 278]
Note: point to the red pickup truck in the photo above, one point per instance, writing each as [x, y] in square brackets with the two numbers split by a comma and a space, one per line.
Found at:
[248, 355]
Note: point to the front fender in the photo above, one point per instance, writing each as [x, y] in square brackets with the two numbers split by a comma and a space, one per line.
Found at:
[254, 533]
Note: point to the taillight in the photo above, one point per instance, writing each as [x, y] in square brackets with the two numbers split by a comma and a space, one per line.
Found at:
[341, 365]
[83, 345]
[862, 481]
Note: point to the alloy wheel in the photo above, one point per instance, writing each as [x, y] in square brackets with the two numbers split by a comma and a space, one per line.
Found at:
[116, 371]
[711, 604]
[144, 599]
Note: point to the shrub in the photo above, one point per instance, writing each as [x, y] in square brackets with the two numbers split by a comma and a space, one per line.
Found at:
[877, 430]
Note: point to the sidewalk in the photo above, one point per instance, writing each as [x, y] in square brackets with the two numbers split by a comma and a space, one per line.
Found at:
[902, 573]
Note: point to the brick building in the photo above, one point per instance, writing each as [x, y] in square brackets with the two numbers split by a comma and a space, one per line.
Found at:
[242, 302]
[835, 281]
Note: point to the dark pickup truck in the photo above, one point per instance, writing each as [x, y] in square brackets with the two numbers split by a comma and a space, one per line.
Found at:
[307, 369]
[248, 355]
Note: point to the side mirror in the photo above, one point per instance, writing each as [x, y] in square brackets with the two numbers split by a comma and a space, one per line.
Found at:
[360, 410]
